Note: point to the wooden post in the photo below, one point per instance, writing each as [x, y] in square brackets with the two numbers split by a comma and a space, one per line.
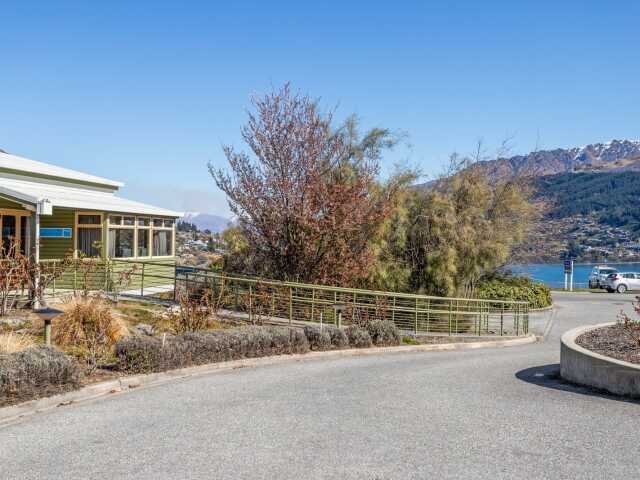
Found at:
[290, 305]
[142, 281]
[313, 304]
[416, 319]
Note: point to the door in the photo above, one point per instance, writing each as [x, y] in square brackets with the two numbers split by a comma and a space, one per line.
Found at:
[9, 233]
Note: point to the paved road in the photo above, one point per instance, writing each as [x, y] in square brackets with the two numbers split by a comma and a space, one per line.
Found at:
[498, 413]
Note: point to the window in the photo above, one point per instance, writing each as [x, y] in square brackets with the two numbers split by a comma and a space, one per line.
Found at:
[158, 222]
[115, 220]
[89, 234]
[128, 221]
[143, 222]
[162, 243]
[168, 223]
[143, 242]
[121, 242]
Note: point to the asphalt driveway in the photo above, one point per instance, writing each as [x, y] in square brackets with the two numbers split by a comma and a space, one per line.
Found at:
[495, 413]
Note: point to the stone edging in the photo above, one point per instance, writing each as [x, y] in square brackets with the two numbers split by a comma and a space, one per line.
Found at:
[584, 367]
[126, 383]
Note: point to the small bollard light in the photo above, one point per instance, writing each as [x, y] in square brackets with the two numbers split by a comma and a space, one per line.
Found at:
[47, 314]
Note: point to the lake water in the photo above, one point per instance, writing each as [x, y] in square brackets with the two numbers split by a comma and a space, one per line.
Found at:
[552, 274]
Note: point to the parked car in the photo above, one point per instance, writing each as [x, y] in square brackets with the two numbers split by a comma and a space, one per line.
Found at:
[598, 276]
[623, 281]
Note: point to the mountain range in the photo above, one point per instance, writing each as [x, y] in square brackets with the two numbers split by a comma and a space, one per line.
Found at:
[613, 156]
[592, 195]
[206, 221]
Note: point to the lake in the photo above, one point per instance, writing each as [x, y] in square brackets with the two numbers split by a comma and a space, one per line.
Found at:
[552, 274]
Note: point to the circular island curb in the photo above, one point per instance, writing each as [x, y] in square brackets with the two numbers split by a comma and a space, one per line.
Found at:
[584, 367]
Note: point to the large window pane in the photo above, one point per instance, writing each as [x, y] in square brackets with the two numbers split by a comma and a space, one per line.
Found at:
[162, 243]
[143, 243]
[120, 243]
[88, 240]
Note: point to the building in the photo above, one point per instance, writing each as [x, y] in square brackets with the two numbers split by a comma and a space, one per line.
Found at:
[51, 212]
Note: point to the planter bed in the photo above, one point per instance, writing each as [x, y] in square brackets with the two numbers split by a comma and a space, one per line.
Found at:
[602, 357]
[611, 341]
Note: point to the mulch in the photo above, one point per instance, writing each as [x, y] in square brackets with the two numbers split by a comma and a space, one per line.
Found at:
[612, 341]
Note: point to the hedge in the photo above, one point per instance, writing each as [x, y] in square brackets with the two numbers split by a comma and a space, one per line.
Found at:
[36, 372]
[149, 354]
[516, 288]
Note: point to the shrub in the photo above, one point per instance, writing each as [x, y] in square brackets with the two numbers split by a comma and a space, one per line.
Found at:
[338, 338]
[88, 329]
[14, 342]
[152, 354]
[36, 372]
[508, 287]
[318, 339]
[358, 337]
[408, 340]
[383, 332]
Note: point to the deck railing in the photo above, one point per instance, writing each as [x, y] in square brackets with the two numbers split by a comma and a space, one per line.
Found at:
[263, 300]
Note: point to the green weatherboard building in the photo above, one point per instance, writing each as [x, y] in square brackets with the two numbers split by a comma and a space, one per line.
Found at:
[51, 212]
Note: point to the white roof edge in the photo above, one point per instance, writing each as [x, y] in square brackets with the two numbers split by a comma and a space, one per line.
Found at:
[25, 165]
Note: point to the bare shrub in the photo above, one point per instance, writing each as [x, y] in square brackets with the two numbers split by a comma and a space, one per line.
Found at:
[88, 329]
[384, 333]
[631, 327]
[195, 312]
[12, 342]
[36, 372]
[358, 337]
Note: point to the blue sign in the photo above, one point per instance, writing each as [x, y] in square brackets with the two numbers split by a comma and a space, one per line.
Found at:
[55, 233]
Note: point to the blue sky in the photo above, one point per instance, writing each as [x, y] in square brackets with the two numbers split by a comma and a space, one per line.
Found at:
[148, 92]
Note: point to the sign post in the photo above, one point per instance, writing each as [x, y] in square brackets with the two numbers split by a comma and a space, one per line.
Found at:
[568, 274]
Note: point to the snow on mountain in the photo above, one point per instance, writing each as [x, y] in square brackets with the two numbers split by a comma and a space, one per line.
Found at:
[206, 221]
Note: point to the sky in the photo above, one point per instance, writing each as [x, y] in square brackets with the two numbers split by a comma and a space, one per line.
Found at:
[149, 92]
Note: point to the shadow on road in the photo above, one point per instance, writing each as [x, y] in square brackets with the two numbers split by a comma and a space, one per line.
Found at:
[548, 376]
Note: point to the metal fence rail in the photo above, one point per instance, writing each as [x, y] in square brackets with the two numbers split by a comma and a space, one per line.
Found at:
[260, 299]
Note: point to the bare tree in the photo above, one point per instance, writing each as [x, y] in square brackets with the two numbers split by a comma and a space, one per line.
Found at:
[307, 202]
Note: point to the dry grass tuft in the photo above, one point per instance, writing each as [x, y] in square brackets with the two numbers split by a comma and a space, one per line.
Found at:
[15, 342]
[89, 329]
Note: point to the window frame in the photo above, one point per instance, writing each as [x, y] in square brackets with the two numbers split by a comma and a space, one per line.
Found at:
[149, 228]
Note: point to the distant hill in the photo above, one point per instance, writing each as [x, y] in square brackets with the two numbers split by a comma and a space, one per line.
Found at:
[613, 198]
[206, 221]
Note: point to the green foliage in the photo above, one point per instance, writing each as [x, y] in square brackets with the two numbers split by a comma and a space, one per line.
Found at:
[443, 238]
[407, 340]
[611, 195]
[507, 287]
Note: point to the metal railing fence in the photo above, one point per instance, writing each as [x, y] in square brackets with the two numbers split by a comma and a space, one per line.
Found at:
[260, 299]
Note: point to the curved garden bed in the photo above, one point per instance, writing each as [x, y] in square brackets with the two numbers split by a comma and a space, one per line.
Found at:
[601, 356]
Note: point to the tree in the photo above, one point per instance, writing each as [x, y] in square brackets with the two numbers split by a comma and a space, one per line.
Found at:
[307, 202]
[446, 236]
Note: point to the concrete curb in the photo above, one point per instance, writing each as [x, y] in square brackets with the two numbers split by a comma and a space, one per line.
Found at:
[584, 367]
[123, 384]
